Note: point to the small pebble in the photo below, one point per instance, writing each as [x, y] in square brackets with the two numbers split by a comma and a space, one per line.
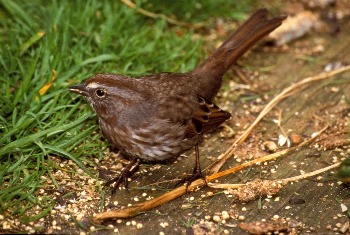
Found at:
[295, 138]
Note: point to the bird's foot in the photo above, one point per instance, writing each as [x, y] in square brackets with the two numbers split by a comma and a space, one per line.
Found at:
[122, 178]
[197, 174]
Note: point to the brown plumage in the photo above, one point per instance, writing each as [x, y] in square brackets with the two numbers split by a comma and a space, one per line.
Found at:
[160, 116]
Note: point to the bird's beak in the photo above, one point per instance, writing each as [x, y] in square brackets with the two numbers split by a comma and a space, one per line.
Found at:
[79, 89]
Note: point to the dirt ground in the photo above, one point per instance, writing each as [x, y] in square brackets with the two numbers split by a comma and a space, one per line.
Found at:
[317, 205]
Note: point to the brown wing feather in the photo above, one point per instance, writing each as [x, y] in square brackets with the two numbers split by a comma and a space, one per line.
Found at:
[207, 117]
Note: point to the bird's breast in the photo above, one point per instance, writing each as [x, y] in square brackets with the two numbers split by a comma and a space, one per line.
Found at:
[154, 141]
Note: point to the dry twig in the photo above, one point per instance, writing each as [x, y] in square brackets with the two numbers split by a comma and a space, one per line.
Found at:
[161, 16]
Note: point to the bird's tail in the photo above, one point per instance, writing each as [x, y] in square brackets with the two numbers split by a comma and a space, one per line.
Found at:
[210, 72]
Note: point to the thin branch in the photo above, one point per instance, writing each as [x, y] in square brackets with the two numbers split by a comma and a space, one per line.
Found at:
[310, 174]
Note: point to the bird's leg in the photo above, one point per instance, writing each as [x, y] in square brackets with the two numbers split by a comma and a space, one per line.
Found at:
[197, 172]
[126, 172]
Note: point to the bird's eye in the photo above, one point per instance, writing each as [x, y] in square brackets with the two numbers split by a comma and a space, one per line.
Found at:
[100, 93]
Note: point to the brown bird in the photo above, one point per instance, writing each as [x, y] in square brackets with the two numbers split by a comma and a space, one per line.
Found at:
[158, 117]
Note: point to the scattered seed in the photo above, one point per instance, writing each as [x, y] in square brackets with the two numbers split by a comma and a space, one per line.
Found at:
[343, 207]
[139, 226]
[216, 218]
[225, 215]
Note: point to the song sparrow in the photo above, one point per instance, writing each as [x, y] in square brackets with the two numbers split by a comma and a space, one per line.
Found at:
[158, 117]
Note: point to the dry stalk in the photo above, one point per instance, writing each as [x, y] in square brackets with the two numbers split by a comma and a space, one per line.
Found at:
[161, 16]
[284, 181]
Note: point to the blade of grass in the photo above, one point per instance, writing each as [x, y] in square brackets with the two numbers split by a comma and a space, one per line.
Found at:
[31, 138]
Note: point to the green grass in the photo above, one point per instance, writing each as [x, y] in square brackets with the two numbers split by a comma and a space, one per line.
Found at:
[80, 38]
